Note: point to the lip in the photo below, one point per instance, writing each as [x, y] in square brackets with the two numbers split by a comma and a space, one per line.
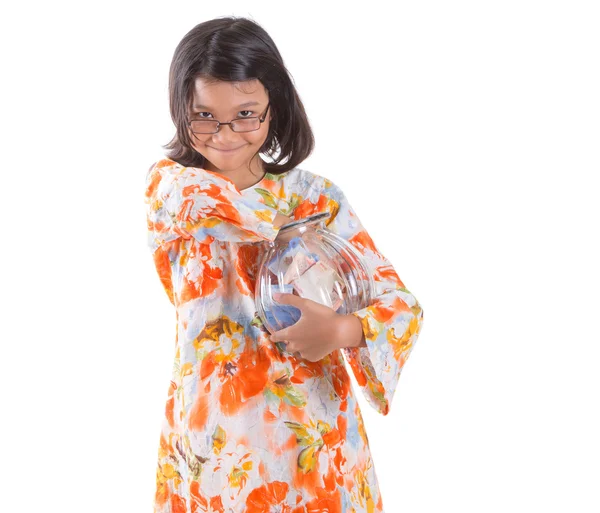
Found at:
[227, 151]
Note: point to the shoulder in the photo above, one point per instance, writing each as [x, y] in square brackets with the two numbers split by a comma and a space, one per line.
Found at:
[317, 183]
[164, 163]
[169, 172]
[323, 190]
[159, 168]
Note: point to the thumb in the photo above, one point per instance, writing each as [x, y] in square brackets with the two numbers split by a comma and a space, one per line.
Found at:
[278, 336]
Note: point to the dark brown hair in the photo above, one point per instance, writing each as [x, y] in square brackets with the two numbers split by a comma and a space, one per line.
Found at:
[235, 49]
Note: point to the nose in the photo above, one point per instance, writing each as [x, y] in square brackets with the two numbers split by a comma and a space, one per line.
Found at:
[225, 135]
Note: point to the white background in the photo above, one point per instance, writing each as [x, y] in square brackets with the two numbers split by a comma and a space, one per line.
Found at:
[475, 173]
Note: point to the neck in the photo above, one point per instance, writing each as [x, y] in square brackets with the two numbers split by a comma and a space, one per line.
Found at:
[243, 176]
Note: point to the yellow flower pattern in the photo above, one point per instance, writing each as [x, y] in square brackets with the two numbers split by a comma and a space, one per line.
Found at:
[248, 427]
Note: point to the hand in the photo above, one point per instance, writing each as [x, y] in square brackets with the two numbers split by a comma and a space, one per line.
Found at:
[318, 331]
[280, 220]
[289, 234]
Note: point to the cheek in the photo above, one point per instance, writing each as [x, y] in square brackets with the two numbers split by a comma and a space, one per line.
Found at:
[198, 140]
[259, 137]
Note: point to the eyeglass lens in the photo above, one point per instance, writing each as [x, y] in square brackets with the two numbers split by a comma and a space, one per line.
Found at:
[209, 126]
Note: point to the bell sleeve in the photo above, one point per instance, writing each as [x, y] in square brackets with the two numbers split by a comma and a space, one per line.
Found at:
[393, 320]
[203, 204]
[164, 257]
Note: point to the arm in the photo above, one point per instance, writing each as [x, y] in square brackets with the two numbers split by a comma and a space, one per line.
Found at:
[390, 326]
[204, 205]
[351, 332]
[168, 195]
[280, 220]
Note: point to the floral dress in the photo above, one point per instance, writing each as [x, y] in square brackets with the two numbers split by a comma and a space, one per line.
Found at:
[248, 427]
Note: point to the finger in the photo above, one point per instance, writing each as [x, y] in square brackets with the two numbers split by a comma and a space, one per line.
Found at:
[289, 299]
[278, 336]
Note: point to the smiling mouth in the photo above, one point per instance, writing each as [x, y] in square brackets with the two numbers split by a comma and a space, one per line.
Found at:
[226, 151]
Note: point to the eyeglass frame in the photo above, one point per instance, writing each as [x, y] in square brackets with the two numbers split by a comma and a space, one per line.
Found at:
[219, 123]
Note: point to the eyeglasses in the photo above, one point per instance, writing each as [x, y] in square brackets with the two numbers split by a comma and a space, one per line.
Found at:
[211, 126]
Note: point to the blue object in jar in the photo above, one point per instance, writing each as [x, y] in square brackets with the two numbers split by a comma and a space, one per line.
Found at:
[279, 314]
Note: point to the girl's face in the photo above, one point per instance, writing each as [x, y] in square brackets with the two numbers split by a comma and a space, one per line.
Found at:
[227, 151]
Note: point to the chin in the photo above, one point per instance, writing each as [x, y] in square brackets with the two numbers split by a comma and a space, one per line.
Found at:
[223, 160]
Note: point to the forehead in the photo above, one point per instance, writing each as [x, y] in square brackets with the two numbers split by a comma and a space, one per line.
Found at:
[226, 96]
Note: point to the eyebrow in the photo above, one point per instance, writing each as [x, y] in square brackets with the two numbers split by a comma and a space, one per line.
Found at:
[247, 104]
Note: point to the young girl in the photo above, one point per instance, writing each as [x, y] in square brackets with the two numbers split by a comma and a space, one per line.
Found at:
[248, 427]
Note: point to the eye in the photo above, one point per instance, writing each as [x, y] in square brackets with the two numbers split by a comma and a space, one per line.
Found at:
[200, 116]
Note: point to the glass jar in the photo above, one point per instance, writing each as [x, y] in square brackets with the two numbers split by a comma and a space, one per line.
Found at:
[308, 260]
